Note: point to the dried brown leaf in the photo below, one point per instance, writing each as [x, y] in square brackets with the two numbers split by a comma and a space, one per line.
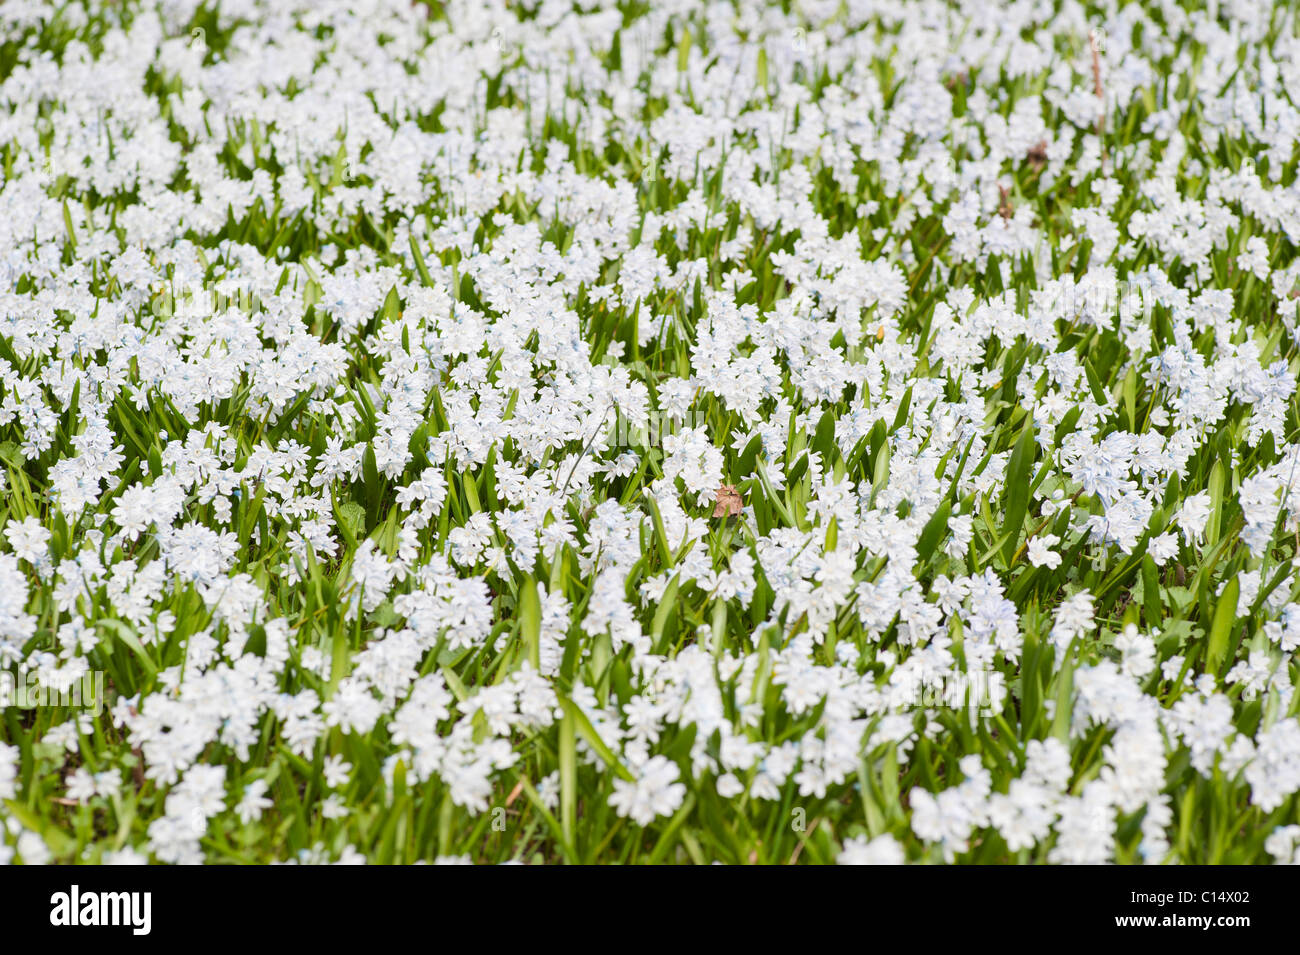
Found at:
[728, 500]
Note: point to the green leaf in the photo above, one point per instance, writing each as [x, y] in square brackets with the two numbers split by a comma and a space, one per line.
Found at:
[352, 517]
[797, 471]
[748, 457]
[530, 620]
[880, 472]
[1015, 497]
[824, 439]
[1064, 701]
[568, 754]
[1151, 605]
[1130, 397]
[1212, 525]
[661, 535]
[582, 726]
[664, 610]
[935, 530]
[1225, 614]
[127, 635]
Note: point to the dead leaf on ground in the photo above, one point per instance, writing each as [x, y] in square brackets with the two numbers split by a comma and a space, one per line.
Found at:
[1005, 209]
[729, 501]
[1037, 155]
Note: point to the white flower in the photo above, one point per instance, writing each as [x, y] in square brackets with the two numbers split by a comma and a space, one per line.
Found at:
[1192, 516]
[882, 850]
[655, 792]
[728, 786]
[1041, 553]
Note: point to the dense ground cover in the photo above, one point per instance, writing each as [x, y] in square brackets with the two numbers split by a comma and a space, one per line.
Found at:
[856, 431]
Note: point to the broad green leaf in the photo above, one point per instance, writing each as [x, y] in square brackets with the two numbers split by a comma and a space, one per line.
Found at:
[1015, 498]
[1225, 614]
